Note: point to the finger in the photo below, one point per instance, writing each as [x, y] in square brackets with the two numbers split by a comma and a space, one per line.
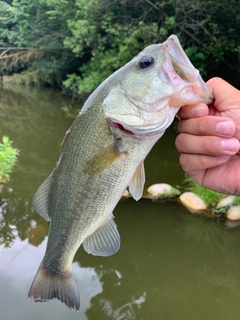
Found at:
[222, 90]
[209, 125]
[206, 145]
[198, 110]
[192, 163]
[213, 111]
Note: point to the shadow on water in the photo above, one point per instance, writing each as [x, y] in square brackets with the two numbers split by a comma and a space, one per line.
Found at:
[171, 265]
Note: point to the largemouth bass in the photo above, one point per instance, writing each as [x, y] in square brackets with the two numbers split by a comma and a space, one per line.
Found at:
[103, 153]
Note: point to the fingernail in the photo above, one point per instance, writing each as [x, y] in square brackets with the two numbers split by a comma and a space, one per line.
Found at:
[230, 144]
[198, 111]
[226, 128]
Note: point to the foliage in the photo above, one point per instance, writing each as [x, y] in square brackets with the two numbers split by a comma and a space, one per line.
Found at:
[70, 112]
[79, 43]
[175, 191]
[35, 43]
[236, 201]
[8, 158]
[210, 197]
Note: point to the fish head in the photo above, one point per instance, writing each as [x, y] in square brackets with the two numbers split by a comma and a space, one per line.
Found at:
[147, 92]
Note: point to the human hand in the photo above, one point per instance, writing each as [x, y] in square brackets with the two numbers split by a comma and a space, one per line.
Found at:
[209, 139]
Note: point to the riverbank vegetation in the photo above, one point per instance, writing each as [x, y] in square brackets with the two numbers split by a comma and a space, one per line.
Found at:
[76, 44]
[8, 158]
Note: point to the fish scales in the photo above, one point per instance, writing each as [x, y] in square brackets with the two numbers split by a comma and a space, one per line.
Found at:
[86, 189]
[102, 154]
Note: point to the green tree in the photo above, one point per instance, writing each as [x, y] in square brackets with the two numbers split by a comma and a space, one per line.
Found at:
[35, 43]
[106, 34]
[79, 43]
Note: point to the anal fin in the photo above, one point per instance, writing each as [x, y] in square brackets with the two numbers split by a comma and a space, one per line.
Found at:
[105, 241]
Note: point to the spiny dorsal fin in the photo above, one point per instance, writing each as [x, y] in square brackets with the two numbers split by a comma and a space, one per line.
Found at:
[137, 182]
[105, 241]
[40, 199]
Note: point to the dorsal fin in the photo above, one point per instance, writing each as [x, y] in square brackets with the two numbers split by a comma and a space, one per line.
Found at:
[40, 199]
[105, 241]
[137, 182]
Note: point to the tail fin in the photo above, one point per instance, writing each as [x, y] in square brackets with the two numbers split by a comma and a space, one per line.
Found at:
[49, 285]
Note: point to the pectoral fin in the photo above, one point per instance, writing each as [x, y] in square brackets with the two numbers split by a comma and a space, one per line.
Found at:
[40, 199]
[105, 158]
[105, 241]
[137, 182]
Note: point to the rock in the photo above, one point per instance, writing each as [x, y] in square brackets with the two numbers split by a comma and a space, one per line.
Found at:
[220, 211]
[229, 224]
[126, 193]
[227, 201]
[233, 213]
[192, 202]
[160, 189]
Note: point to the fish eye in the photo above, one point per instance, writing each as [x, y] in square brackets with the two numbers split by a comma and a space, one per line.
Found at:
[145, 61]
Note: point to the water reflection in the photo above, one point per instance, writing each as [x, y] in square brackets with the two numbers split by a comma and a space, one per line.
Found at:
[16, 220]
[126, 311]
[16, 272]
[210, 232]
[171, 265]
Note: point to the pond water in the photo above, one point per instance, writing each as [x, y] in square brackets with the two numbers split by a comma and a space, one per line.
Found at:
[171, 266]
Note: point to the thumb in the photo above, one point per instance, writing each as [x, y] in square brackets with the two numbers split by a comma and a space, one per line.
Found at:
[226, 96]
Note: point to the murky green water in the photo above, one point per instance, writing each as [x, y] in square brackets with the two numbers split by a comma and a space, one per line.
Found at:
[171, 265]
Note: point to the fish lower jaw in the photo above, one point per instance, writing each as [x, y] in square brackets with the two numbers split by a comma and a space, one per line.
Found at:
[122, 128]
[147, 129]
[142, 132]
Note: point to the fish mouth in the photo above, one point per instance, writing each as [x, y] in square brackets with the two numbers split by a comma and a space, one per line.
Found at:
[147, 129]
[180, 72]
[121, 128]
